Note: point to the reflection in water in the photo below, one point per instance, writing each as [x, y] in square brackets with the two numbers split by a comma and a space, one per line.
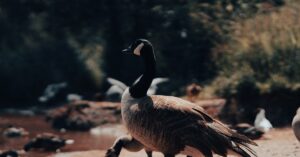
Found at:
[98, 138]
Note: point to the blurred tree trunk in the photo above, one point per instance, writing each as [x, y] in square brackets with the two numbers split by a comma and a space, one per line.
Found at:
[114, 39]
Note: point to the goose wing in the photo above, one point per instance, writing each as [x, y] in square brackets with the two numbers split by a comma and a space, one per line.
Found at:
[114, 90]
[159, 80]
[154, 85]
[116, 82]
[190, 125]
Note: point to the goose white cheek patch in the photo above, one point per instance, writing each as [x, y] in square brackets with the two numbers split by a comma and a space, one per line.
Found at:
[137, 50]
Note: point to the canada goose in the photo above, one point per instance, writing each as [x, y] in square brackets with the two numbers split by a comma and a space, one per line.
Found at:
[71, 117]
[114, 93]
[296, 124]
[261, 122]
[169, 124]
[47, 141]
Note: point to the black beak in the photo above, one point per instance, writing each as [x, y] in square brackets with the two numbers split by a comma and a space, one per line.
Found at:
[126, 51]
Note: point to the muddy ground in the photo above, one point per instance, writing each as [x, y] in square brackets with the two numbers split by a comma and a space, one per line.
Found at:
[278, 143]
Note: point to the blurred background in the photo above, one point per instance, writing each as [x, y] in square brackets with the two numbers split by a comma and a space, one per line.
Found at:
[246, 53]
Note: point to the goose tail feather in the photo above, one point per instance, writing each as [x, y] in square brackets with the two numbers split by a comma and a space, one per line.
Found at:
[235, 142]
[241, 151]
[219, 138]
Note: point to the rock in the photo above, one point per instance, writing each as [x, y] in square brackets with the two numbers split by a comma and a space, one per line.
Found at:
[9, 153]
[47, 141]
[84, 115]
[52, 92]
[248, 130]
[14, 132]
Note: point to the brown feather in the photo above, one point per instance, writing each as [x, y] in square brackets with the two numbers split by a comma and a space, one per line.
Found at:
[168, 124]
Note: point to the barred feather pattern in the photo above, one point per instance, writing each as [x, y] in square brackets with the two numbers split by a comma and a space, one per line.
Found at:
[170, 124]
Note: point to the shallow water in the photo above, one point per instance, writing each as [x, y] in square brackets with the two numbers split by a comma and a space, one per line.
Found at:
[104, 137]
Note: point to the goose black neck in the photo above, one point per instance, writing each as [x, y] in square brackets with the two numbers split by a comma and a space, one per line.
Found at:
[140, 88]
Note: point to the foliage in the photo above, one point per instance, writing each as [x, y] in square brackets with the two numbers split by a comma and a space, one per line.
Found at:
[264, 48]
[259, 66]
[79, 42]
[41, 42]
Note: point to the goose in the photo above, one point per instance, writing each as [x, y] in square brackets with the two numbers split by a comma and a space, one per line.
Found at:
[261, 122]
[296, 124]
[117, 87]
[169, 124]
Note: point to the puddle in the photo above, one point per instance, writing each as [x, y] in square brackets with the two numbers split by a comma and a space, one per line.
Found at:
[99, 138]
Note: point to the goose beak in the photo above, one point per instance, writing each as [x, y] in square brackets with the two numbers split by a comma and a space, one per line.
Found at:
[127, 51]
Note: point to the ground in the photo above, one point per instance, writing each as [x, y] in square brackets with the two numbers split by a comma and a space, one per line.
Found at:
[278, 142]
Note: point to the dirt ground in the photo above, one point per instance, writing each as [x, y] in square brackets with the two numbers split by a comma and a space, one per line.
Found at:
[282, 143]
[278, 143]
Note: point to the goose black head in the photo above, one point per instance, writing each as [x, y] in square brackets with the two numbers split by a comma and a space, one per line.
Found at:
[139, 47]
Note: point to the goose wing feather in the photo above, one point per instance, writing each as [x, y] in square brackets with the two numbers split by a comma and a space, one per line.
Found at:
[114, 90]
[116, 82]
[159, 80]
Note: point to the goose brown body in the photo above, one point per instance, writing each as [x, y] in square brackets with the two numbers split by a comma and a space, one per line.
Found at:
[170, 125]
